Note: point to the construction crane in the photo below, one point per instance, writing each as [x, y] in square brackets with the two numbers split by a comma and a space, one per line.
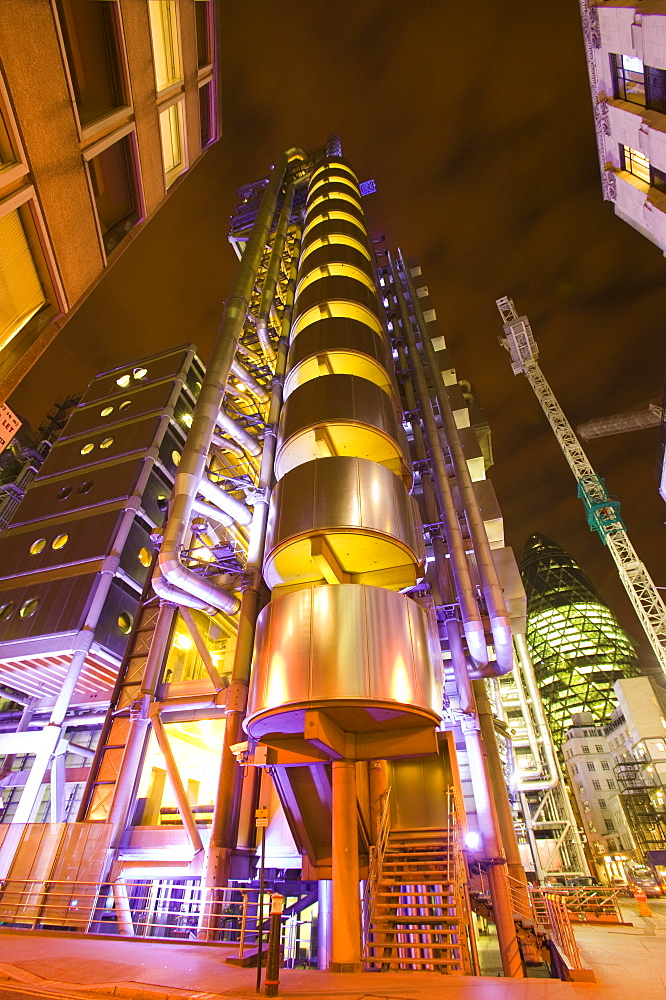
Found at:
[602, 510]
[650, 415]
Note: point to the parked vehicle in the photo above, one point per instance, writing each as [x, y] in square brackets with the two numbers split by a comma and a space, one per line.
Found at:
[643, 879]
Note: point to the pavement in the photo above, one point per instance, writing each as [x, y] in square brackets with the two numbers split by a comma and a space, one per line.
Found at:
[629, 961]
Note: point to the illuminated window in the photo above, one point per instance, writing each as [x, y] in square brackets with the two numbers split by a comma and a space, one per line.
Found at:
[172, 136]
[125, 403]
[106, 443]
[635, 163]
[21, 292]
[92, 47]
[166, 47]
[6, 610]
[59, 542]
[139, 373]
[124, 622]
[145, 557]
[29, 607]
[87, 448]
[106, 411]
[37, 546]
[113, 181]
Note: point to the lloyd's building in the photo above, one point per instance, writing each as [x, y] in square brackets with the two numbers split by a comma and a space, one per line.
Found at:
[257, 624]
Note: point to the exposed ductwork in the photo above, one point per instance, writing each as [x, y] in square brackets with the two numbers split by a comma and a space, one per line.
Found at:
[273, 273]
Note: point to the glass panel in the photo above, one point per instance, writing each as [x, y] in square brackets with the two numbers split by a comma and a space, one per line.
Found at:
[205, 114]
[114, 187]
[164, 34]
[92, 46]
[21, 293]
[636, 163]
[171, 132]
[203, 12]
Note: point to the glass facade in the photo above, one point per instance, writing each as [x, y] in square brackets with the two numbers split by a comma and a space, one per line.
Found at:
[577, 646]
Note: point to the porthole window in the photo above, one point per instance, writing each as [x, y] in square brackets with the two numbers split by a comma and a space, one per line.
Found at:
[196, 388]
[37, 546]
[162, 502]
[175, 457]
[124, 622]
[6, 610]
[64, 493]
[106, 443]
[106, 411]
[29, 607]
[87, 448]
[140, 373]
[59, 542]
[145, 557]
[125, 403]
[85, 487]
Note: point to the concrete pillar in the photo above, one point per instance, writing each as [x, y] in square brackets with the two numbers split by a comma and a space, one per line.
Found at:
[346, 928]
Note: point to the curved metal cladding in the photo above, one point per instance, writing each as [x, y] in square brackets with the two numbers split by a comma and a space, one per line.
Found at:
[363, 654]
[341, 415]
[343, 534]
[359, 510]
[339, 346]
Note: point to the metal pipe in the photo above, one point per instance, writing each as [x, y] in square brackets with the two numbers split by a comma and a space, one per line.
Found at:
[168, 592]
[248, 380]
[207, 411]
[220, 498]
[238, 433]
[471, 616]
[492, 590]
[211, 513]
[226, 445]
[526, 670]
[225, 817]
[273, 273]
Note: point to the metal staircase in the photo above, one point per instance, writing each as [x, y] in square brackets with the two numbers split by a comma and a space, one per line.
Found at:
[417, 918]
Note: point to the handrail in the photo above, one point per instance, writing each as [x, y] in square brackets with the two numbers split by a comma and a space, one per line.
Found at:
[376, 861]
[561, 930]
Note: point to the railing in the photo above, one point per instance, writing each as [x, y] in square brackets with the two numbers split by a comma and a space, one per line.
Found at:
[561, 931]
[584, 905]
[376, 860]
[158, 909]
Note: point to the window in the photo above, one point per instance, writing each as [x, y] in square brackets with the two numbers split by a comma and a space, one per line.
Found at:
[635, 163]
[586, 749]
[590, 765]
[171, 132]
[639, 84]
[92, 46]
[113, 180]
[599, 749]
[610, 826]
[629, 75]
[602, 804]
[166, 47]
[206, 130]
[610, 783]
[605, 766]
[596, 784]
[21, 292]
[203, 12]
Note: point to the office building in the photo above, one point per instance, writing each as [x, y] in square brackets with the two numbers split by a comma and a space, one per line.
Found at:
[577, 646]
[617, 773]
[127, 97]
[313, 674]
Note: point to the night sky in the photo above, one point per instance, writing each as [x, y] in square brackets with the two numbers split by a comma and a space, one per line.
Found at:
[475, 121]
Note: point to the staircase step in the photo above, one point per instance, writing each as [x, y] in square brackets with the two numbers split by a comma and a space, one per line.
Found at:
[385, 918]
[442, 962]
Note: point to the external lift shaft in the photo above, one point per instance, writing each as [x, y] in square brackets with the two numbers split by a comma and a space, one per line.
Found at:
[603, 512]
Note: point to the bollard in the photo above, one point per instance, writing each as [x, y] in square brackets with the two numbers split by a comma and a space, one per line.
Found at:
[643, 905]
[272, 980]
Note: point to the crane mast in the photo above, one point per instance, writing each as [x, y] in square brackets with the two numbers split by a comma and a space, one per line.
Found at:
[602, 510]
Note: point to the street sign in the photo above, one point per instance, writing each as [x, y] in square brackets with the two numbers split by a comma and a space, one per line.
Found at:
[9, 424]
